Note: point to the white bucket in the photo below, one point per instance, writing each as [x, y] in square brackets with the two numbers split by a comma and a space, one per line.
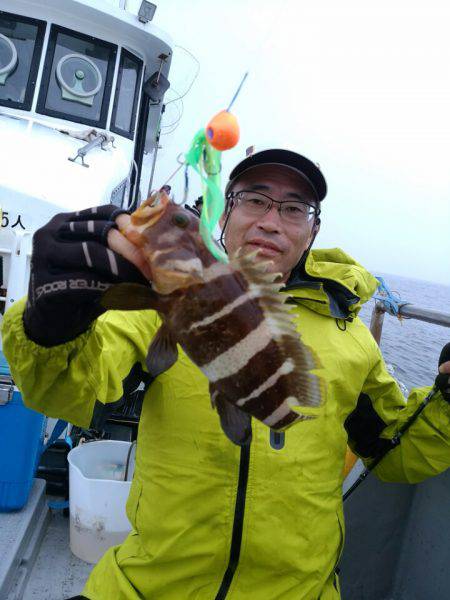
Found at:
[98, 495]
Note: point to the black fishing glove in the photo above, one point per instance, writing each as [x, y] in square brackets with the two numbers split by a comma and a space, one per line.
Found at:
[71, 267]
[443, 379]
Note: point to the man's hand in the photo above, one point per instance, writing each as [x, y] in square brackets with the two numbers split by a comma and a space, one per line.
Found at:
[443, 379]
[120, 244]
[76, 258]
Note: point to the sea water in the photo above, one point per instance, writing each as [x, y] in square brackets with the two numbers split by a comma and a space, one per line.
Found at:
[412, 347]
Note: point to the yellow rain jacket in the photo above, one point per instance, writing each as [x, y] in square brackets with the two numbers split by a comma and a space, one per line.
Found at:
[211, 520]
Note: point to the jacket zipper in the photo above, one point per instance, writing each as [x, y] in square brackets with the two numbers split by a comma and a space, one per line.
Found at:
[238, 523]
[295, 298]
[277, 439]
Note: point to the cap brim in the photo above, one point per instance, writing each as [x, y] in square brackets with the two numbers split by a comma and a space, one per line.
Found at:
[287, 158]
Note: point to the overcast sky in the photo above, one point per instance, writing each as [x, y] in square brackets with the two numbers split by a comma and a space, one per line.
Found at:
[361, 88]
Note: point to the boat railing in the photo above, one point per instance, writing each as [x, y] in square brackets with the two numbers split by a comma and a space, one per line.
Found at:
[407, 311]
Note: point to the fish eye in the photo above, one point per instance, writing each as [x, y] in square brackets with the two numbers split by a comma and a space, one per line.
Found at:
[180, 220]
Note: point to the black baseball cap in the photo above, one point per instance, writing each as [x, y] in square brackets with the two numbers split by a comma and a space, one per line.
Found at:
[299, 163]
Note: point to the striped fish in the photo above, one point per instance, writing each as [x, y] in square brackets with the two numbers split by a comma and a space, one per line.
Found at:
[230, 319]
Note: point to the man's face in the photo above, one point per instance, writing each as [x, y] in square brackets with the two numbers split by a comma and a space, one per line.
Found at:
[274, 238]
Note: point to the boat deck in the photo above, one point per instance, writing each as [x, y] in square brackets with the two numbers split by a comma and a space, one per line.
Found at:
[397, 546]
[67, 574]
[35, 559]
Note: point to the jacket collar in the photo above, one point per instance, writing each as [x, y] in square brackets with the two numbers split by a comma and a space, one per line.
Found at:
[332, 283]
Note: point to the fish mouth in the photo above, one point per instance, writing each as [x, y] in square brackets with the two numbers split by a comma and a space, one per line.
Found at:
[177, 275]
[151, 210]
[144, 217]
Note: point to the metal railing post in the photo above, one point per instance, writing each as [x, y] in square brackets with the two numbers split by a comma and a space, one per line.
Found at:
[376, 321]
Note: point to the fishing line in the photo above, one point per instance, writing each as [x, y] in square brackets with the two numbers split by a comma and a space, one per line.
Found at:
[179, 97]
[204, 156]
[174, 124]
[193, 79]
[181, 165]
[236, 94]
[395, 441]
[186, 184]
[273, 24]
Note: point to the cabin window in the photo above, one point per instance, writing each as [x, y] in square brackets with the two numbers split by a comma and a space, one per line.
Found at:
[127, 94]
[20, 49]
[77, 77]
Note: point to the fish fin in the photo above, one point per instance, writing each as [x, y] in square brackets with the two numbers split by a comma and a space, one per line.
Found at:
[236, 424]
[129, 296]
[255, 271]
[162, 352]
[310, 387]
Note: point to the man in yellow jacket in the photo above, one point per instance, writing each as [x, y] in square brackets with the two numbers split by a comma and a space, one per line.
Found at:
[212, 520]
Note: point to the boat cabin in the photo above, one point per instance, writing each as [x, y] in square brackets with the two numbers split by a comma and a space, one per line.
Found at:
[82, 84]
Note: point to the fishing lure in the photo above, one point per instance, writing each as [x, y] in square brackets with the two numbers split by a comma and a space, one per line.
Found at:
[221, 133]
[205, 160]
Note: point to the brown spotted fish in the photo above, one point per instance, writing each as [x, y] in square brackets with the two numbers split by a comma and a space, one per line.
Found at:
[230, 319]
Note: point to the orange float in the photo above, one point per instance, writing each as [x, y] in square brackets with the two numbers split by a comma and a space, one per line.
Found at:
[222, 132]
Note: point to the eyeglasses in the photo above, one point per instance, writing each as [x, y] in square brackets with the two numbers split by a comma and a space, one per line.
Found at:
[257, 204]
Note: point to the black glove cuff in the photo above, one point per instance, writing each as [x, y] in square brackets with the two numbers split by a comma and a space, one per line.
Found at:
[442, 381]
[57, 324]
[443, 385]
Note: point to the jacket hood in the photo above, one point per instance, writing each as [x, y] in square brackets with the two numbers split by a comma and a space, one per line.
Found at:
[332, 283]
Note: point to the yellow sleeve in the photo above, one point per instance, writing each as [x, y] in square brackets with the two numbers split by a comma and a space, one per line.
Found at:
[78, 380]
[381, 411]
